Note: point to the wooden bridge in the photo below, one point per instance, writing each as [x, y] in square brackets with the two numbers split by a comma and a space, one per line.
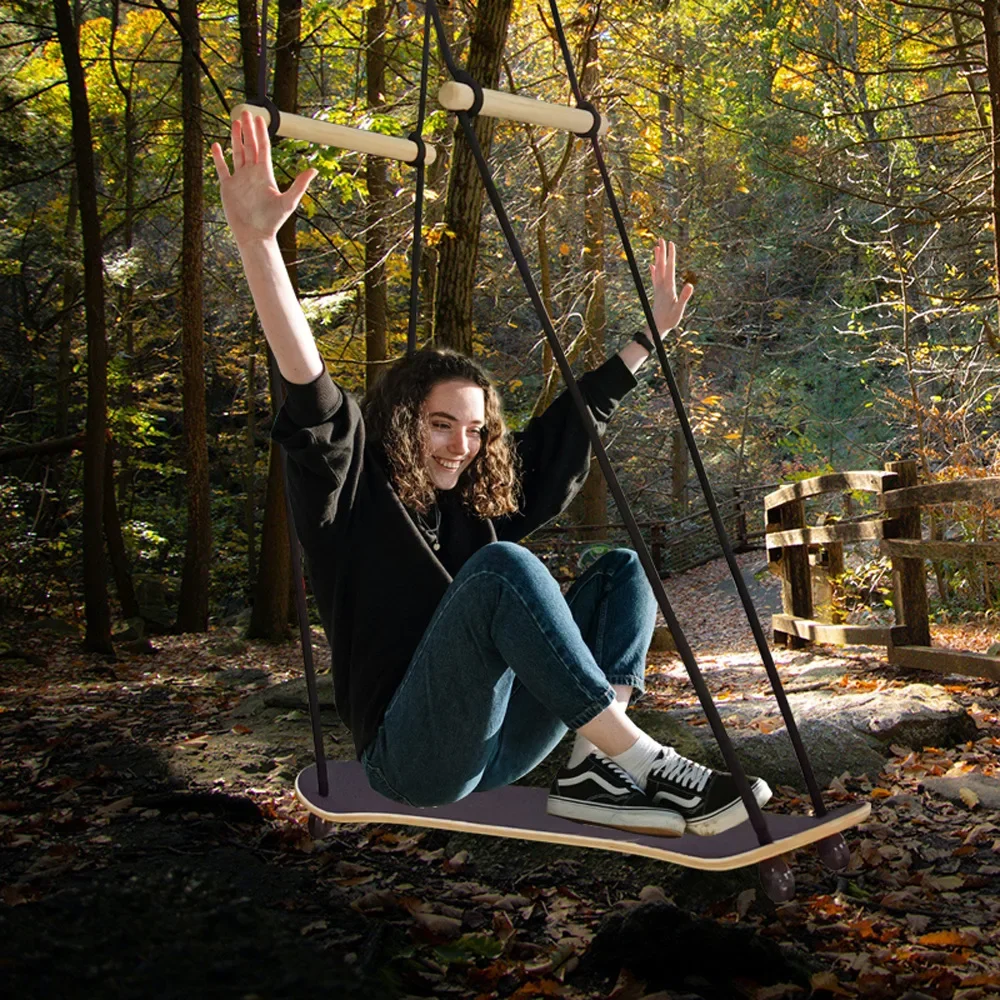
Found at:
[809, 558]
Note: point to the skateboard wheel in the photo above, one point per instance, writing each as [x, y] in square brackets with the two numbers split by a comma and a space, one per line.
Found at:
[834, 852]
[319, 828]
[777, 879]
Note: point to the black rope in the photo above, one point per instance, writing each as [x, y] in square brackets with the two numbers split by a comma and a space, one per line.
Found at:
[298, 579]
[262, 100]
[756, 817]
[262, 55]
[758, 633]
[417, 136]
[302, 611]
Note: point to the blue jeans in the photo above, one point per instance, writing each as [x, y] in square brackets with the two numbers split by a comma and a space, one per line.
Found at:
[505, 667]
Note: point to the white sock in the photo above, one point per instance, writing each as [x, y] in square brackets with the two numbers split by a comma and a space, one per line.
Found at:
[582, 749]
[640, 757]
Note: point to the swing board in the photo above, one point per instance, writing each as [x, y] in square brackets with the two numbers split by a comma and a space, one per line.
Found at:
[518, 811]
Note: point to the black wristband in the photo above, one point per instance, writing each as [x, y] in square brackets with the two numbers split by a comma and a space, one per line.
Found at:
[643, 340]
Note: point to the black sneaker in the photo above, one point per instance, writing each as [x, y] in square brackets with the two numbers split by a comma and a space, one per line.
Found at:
[707, 799]
[598, 791]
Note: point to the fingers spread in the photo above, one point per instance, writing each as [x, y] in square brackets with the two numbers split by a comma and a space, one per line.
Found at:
[248, 129]
[221, 167]
[237, 140]
[299, 186]
[262, 136]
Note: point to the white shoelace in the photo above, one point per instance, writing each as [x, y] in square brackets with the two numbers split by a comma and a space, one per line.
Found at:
[619, 770]
[682, 771]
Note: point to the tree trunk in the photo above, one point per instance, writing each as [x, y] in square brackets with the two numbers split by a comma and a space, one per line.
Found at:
[671, 107]
[95, 586]
[192, 614]
[116, 543]
[679, 457]
[435, 178]
[70, 290]
[125, 471]
[250, 477]
[249, 40]
[594, 496]
[377, 179]
[272, 604]
[991, 25]
[457, 257]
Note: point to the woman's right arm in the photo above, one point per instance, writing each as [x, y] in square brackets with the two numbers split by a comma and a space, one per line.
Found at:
[255, 210]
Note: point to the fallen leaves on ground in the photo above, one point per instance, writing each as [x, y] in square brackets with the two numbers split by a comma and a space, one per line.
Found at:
[93, 753]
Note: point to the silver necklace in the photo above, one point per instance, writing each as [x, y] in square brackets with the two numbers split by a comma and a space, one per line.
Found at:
[432, 533]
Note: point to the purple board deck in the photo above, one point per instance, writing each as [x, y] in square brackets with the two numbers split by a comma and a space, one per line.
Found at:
[519, 811]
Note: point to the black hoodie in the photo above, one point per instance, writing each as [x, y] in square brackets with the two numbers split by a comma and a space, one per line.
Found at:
[376, 580]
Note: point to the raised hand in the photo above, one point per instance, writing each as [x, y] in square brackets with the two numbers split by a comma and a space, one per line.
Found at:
[668, 306]
[255, 208]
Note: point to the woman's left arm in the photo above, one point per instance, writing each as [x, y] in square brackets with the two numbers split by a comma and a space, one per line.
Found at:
[668, 306]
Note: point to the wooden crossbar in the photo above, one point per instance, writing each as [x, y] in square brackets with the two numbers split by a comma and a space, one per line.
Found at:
[946, 661]
[960, 552]
[835, 635]
[512, 107]
[868, 482]
[327, 134]
[955, 491]
[863, 531]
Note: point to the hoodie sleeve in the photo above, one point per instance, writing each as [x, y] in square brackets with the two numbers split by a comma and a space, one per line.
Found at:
[554, 448]
[321, 431]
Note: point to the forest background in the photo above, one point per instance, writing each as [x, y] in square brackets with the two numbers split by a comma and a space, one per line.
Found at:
[827, 169]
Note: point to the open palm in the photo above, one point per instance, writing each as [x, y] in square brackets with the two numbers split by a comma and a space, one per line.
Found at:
[668, 306]
[255, 208]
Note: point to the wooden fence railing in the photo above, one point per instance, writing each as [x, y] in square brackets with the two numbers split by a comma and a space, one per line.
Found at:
[809, 558]
[676, 545]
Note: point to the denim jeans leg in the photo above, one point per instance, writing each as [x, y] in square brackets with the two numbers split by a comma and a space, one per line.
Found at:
[614, 607]
[502, 640]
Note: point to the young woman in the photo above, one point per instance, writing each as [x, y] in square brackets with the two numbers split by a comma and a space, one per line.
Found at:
[458, 664]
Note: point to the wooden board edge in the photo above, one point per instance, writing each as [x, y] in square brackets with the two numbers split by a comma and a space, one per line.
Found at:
[834, 635]
[781, 846]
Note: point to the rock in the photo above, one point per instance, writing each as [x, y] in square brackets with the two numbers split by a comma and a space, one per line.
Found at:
[55, 626]
[840, 732]
[139, 647]
[832, 750]
[287, 696]
[663, 641]
[987, 790]
[238, 677]
[633, 939]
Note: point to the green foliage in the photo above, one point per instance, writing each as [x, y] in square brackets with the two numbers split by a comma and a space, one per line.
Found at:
[816, 168]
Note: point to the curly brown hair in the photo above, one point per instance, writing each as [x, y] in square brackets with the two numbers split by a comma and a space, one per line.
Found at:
[393, 418]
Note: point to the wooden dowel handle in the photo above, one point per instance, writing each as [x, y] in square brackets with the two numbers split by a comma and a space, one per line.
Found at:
[497, 104]
[327, 134]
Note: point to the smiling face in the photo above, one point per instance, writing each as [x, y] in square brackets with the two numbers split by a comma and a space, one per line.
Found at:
[454, 415]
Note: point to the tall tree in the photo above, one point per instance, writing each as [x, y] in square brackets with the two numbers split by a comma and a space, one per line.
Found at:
[458, 255]
[671, 121]
[991, 36]
[95, 588]
[272, 592]
[70, 290]
[377, 179]
[593, 504]
[125, 322]
[192, 614]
